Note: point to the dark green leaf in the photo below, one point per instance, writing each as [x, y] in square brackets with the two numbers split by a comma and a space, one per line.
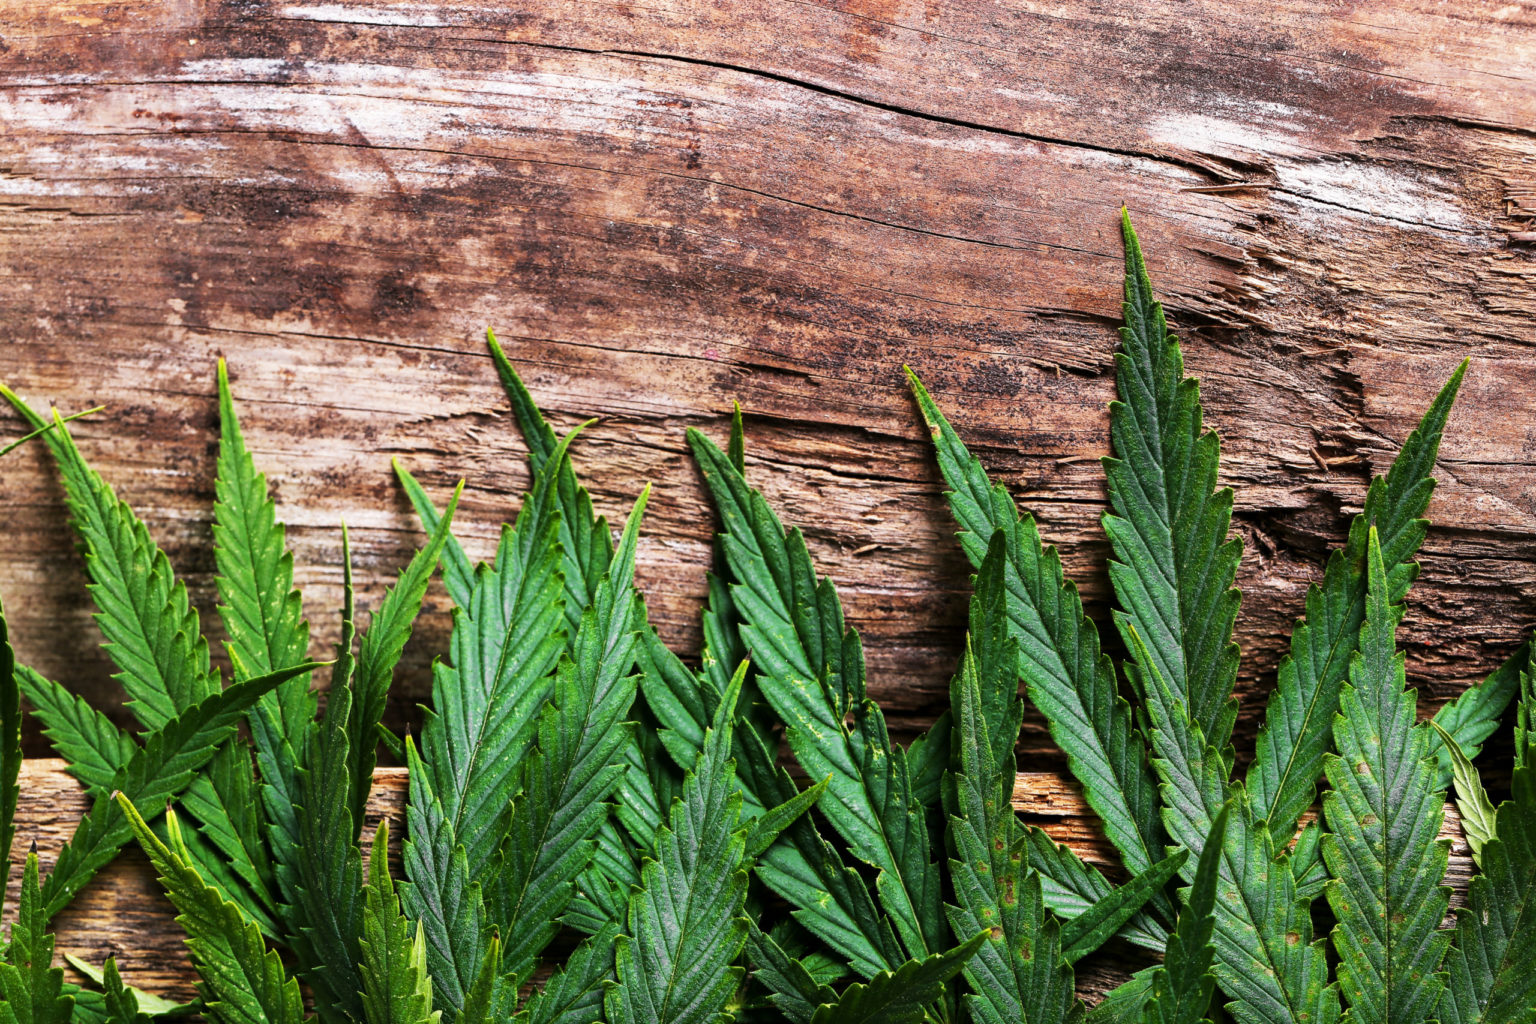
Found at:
[1174, 567]
[262, 612]
[572, 772]
[505, 640]
[812, 673]
[685, 926]
[1297, 727]
[585, 541]
[574, 995]
[396, 986]
[1180, 992]
[1019, 972]
[1384, 812]
[1067, 677]
[1267, 959]
[1091, 929]
[900, 996]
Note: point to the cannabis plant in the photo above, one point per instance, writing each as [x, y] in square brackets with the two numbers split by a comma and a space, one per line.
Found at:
[575, 785]
[1165, 776]
[249, 829]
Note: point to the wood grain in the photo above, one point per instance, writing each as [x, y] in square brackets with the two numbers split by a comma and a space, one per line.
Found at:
[665, 207]
[123, 913]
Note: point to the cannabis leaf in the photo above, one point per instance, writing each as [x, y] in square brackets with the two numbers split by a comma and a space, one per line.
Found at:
[323, 869]
[121, 1002]
[396, 986]
[569, 777]
[585, 541]
[154, 773]
[1472, 717]
[1174, 565]
[685, 923]
[831, 900]
[1018, 972]
[1180, 990]
[262, 612]
[95, 748]
[505, 640]
[574, 995]
[1384, 812]
[1491, 965]
[153, 635]
[1298, 719]
[812, 673]
[1067, 677]
[147, 1004]
[32, 989]
[900, 996]
[1477, 811]
[243, 982]
[1267, 960]
[151, 629]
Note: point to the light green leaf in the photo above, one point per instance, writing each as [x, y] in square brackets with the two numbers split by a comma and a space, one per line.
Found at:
[1492, 961]
[243, 982]
[32, 989]
[155, 773]
[1477, 811]
[147, 1003]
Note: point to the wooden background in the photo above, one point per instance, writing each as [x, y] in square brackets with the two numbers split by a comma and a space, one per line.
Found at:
[665, 207]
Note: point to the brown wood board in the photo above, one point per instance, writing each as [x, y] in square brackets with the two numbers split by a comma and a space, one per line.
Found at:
[668, 207]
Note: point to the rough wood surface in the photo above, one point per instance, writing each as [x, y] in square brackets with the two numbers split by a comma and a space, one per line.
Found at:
[123, 913]
[664, 207]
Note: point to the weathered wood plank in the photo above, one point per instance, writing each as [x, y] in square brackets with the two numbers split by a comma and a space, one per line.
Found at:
[667, 206]
[122, 913]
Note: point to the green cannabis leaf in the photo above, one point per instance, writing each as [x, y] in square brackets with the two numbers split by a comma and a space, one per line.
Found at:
[812, 673]
[1180, 991]
[31, 988]
[1297, 721]
[243, 981]
[575, 785]
[396, 986]
[1068, 678]
[899, 996]
[1477, 811]
[1174, 567]
[1018, 972]
[1491, 966]
[1384, 812]
[685, 919]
